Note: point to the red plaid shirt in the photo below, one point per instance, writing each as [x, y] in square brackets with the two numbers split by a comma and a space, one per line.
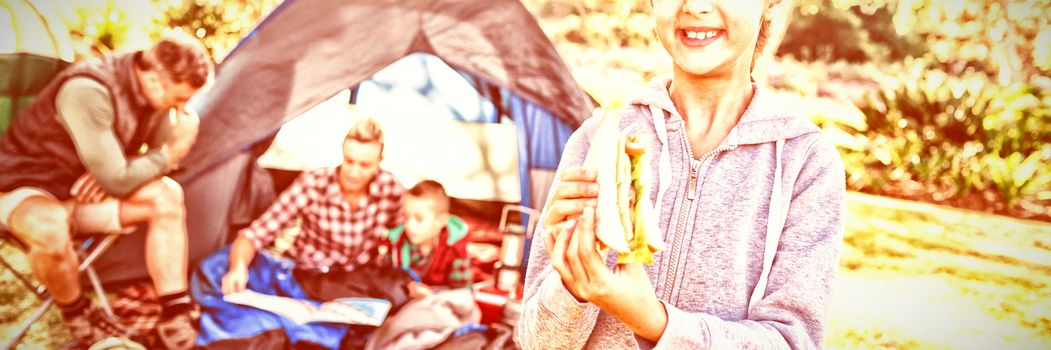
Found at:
[332, 235]
[446, 265]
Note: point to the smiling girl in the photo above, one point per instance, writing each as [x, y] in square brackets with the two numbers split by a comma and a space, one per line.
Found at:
[750, 201]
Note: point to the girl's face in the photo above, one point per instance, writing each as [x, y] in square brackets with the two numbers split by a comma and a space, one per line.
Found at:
[710, 37]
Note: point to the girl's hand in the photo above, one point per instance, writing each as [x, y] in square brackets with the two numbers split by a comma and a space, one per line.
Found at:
[624, 292]
[576, 189]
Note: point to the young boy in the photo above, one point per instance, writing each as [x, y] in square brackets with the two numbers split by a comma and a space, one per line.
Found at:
[432, 244]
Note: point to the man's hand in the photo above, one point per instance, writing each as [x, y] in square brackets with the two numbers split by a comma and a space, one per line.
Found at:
[185, 126]
[235, 281]
[87, 190]
[625, 292]
[419, 290]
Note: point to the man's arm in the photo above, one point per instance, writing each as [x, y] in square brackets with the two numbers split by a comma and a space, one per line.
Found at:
[283, 212]
[393, 191]
[241, 254]
[84, 106]
[264, 230]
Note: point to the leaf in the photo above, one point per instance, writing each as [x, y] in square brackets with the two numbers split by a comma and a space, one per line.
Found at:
[997, 168]
[1044, 196]
[1027, 168]
[1038, 184]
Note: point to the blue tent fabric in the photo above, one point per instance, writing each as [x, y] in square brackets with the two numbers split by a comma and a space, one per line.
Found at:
[541, 140]
[430, 78]
[223, 321]
[464, 97]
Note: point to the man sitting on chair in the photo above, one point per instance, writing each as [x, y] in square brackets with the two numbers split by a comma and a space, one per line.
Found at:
[89, 155]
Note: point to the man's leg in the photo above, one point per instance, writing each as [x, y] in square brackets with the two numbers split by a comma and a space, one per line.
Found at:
[159, 204]
[43, 223]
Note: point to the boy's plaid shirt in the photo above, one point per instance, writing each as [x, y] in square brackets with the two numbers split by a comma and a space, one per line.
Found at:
[445, 265]
[332, 234]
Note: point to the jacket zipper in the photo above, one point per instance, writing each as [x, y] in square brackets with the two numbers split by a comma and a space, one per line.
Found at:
[684, 210]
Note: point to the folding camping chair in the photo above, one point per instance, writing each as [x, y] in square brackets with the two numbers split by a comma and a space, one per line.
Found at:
[22, 76]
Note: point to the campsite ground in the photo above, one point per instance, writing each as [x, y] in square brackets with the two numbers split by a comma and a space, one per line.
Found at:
[912, 276]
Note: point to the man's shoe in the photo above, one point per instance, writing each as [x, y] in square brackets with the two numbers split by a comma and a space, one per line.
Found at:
[93, 325]
[178, 332]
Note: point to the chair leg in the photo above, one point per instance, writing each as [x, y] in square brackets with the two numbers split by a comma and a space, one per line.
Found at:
[102, 247]
[85, 266]
[101, 293]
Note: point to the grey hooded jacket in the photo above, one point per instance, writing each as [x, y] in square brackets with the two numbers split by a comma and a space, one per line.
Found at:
[753, 230]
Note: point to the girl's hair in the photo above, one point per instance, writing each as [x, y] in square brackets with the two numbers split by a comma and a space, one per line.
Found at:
[760, 43]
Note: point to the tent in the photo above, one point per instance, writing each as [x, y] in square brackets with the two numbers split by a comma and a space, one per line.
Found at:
[297, 58]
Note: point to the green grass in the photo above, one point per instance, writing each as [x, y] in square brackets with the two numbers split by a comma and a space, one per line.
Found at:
[912, 276]
[17, 304]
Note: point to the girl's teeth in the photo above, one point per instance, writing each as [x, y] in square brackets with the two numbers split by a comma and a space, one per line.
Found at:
[700, 35]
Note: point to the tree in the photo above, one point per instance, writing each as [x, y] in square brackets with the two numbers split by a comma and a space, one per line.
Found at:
[219, 24]
[1006, 38]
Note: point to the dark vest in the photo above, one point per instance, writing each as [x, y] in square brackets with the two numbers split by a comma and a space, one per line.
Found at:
[38, 151]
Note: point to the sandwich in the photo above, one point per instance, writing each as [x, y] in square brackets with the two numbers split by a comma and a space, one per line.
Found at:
[627, 223]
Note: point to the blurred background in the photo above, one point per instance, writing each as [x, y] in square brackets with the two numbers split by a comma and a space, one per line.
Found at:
[941, 111]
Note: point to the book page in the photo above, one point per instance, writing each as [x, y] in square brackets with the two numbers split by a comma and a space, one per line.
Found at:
[364, 311]
[299, 311]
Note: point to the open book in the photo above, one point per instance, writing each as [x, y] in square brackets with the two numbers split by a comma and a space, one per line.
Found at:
[363, 311]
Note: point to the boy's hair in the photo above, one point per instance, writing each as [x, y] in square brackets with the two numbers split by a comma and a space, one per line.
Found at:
[181, 57]
[366, 130]
[432, 190]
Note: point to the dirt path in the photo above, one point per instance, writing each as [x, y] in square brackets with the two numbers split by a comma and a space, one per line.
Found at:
[914, 275]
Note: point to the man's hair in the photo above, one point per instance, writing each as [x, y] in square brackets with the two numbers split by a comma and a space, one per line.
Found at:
[432, 190]
[181, 57]
[365, 131]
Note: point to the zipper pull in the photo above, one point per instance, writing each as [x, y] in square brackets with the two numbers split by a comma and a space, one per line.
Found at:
[691, 187]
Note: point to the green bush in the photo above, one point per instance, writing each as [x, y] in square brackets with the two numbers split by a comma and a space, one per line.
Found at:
[959, 132]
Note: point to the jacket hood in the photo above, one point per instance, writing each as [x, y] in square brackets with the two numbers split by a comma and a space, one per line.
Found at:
[765, 120]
